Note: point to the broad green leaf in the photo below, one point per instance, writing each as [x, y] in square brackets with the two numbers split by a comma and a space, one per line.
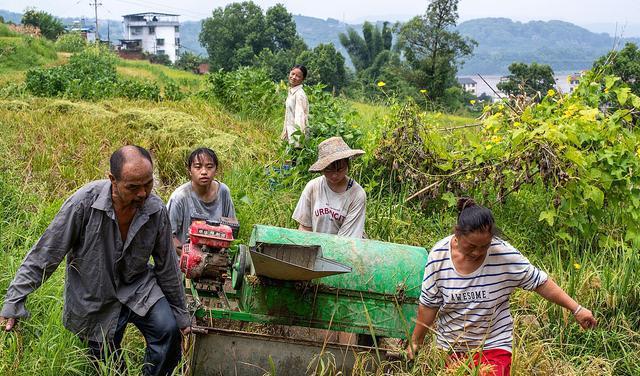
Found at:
[590, 114]
[517, 135]
[622, 94]
[609, 81]
[565, 236]
[575, 156]
[447, 166]
[450, 198]
[549, 216]
[633, 235]
[594, 194]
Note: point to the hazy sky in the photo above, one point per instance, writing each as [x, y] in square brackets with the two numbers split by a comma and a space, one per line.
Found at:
[576, 11]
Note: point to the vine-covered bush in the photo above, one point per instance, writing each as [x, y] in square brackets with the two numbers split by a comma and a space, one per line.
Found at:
[582, 148]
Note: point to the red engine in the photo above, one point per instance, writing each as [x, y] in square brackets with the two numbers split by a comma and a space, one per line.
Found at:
[205, 255]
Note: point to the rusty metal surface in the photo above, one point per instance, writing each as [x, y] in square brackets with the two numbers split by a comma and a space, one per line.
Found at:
[230, 352]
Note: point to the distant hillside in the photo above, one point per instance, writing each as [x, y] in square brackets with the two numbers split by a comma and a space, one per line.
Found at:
[562, 45]
[10, 16]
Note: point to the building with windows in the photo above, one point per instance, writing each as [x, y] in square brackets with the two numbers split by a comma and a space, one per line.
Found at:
[468, 84]
[87, 32]
[153, 33]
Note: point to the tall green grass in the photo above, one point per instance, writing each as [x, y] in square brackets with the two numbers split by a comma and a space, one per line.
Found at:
[37, 174]
[19, 52]
[50, 147]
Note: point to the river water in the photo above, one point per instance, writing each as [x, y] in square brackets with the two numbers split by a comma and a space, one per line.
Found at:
[562, 83]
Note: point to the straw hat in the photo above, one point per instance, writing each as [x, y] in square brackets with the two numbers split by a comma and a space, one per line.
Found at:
[331, 150]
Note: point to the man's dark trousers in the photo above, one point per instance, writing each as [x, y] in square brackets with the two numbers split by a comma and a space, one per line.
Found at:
[161, 333]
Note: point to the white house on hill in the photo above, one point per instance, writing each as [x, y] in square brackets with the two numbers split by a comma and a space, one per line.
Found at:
[468, 84]
[154, 33]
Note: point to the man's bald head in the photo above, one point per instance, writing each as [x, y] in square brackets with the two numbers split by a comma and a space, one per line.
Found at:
[128, 153]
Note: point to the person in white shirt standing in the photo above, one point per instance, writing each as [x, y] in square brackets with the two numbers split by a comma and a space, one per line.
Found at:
[333, 203]
[296, 107]
[468, 280]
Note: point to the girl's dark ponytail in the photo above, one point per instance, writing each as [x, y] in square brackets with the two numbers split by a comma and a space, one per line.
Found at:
[473, 217]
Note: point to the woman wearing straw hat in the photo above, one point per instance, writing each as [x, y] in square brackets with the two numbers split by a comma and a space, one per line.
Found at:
[332, 203]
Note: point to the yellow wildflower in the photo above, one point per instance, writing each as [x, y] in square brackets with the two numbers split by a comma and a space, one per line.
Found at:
[551, 93]
[577, 266]
[473, 101]
[423, 91]
[381, 83]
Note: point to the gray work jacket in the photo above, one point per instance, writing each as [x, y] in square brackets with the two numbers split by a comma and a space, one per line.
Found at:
[102, 273]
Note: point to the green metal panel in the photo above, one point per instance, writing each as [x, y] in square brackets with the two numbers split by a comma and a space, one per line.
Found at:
[378, 267]
[379, 295]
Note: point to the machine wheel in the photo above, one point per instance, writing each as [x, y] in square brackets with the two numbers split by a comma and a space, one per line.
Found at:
[239, 267]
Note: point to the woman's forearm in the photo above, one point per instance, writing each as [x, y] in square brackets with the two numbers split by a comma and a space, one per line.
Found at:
[424, 320]
[553, 293]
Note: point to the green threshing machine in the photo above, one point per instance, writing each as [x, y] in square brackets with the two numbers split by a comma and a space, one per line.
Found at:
[279, 302]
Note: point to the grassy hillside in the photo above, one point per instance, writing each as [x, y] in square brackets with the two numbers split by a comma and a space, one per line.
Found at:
[20, 53]
[51, 146]
[144, 70]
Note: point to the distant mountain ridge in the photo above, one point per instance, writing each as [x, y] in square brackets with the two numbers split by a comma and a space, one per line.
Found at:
[501, 41]
[562, 45]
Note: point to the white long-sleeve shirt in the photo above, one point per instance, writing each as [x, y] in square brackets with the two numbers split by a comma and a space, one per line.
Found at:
[296, 114]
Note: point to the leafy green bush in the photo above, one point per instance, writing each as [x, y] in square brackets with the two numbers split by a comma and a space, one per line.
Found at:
[71, 42]
[134, 89]
[49, 82]
[172, 92]
[247, 91]
[581, 149]
[91, 75]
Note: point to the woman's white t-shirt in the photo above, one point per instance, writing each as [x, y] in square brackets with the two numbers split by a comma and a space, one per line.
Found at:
[330, 212]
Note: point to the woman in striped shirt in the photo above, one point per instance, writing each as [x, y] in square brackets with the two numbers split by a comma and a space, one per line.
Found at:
[468, 280]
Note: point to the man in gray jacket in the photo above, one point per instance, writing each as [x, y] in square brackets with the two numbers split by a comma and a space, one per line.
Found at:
[108, 230]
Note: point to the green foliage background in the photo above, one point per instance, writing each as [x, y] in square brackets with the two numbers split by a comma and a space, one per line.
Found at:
[587, 142]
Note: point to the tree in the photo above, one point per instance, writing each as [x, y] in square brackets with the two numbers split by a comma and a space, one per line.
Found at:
[432, 47]
[236, 35]
[624, 64]
[159, 59]
[363, 50]
[189, 62]
[530, 80]
[281, 29]
[49, 26]
[325, 65]
[278, 64]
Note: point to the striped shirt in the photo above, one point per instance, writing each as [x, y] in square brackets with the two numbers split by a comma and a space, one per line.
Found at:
[473, 309]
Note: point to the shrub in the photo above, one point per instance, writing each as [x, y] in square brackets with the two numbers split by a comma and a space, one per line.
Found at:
[246, 91]
[134, 89]
[90, 74]
[581, 149]
[71, 42]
